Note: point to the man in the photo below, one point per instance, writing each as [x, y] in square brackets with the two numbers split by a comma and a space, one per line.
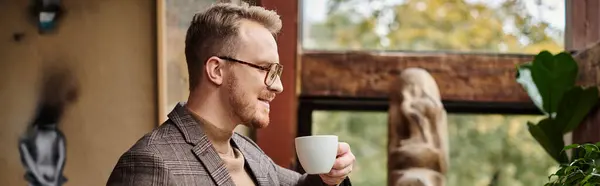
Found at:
[234, 74]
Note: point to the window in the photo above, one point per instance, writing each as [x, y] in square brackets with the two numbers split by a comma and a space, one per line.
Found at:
[498, 26]
[485, 149]
[366, 132]
[496, 149]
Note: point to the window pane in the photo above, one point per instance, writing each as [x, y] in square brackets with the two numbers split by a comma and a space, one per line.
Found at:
[498, 26]
[366, 132]
[482, 147]
[486, 146]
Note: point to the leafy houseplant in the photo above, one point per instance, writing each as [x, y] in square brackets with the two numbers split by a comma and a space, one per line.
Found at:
[583, 171]
[550, 83]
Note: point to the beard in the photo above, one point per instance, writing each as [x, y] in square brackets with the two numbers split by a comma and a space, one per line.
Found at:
[244, 108]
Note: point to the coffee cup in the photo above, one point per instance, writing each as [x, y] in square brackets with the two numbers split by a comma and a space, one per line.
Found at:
[317, 153]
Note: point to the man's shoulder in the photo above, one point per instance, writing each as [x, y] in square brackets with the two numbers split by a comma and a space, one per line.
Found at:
[150, 158]
[152, 142]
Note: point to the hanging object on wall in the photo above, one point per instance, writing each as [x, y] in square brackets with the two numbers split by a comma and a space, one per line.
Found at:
[46, 14]
[43, 146]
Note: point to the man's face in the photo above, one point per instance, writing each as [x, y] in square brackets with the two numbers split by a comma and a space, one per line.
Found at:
[248, 95]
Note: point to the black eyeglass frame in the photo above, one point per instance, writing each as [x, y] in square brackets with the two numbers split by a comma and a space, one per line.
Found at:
[268, 69]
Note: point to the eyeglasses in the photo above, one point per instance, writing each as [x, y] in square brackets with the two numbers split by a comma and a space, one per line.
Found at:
[273, 69]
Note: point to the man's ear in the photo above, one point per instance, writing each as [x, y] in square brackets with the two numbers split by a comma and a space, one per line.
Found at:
[214, 70]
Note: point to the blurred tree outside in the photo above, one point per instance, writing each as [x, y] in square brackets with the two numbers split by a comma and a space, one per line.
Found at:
[496, 150]
[484, 149]
[493, 26]
[490, 149]
[366, 132]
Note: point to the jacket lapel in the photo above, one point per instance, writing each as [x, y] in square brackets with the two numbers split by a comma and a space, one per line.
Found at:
[212, 162]
[260, 168]
[203, 149]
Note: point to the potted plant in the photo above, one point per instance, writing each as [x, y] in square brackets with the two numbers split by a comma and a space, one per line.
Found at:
[583, 170]
[550, 82]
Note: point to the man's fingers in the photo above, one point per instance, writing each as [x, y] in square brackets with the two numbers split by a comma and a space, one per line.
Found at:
[331, 180]
[342, 166]
[344, 161]
[339, 173]
[343, 148]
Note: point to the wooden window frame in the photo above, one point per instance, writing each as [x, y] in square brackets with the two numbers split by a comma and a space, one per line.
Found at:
[309, 104]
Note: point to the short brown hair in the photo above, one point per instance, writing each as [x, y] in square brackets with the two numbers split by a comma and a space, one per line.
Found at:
[214, 31]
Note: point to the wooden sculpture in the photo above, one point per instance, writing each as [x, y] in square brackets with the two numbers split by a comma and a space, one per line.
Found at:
[418, 139]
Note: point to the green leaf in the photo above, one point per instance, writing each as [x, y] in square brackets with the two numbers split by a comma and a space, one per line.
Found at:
[586, 178]
[571, 146]
[590, 151]
[541, 137]
[574, 107]
[553, 76]
[545, 134]
[569, 169]
[591, 179]
[578, 160]
[589, 148]
[574, 177]
[524, 78]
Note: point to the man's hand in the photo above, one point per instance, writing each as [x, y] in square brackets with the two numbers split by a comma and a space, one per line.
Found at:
[342, 166]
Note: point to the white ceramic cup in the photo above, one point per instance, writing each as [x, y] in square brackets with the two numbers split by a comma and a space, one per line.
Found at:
[317, 153]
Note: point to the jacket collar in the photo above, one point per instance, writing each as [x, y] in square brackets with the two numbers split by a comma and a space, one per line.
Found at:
[203, 149]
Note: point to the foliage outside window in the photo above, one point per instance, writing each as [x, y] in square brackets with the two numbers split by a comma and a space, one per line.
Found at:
[484, 149]
[491, 26]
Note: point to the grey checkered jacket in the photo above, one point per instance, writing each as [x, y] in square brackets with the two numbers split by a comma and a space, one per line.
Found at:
[179, 153]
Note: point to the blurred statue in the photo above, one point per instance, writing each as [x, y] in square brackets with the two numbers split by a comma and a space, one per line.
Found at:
[42, 147]
[418, 144]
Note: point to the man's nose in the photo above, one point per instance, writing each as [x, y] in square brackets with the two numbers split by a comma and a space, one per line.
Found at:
[277, 86]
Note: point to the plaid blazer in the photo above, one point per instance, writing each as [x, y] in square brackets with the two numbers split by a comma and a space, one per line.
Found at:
[179, 153]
